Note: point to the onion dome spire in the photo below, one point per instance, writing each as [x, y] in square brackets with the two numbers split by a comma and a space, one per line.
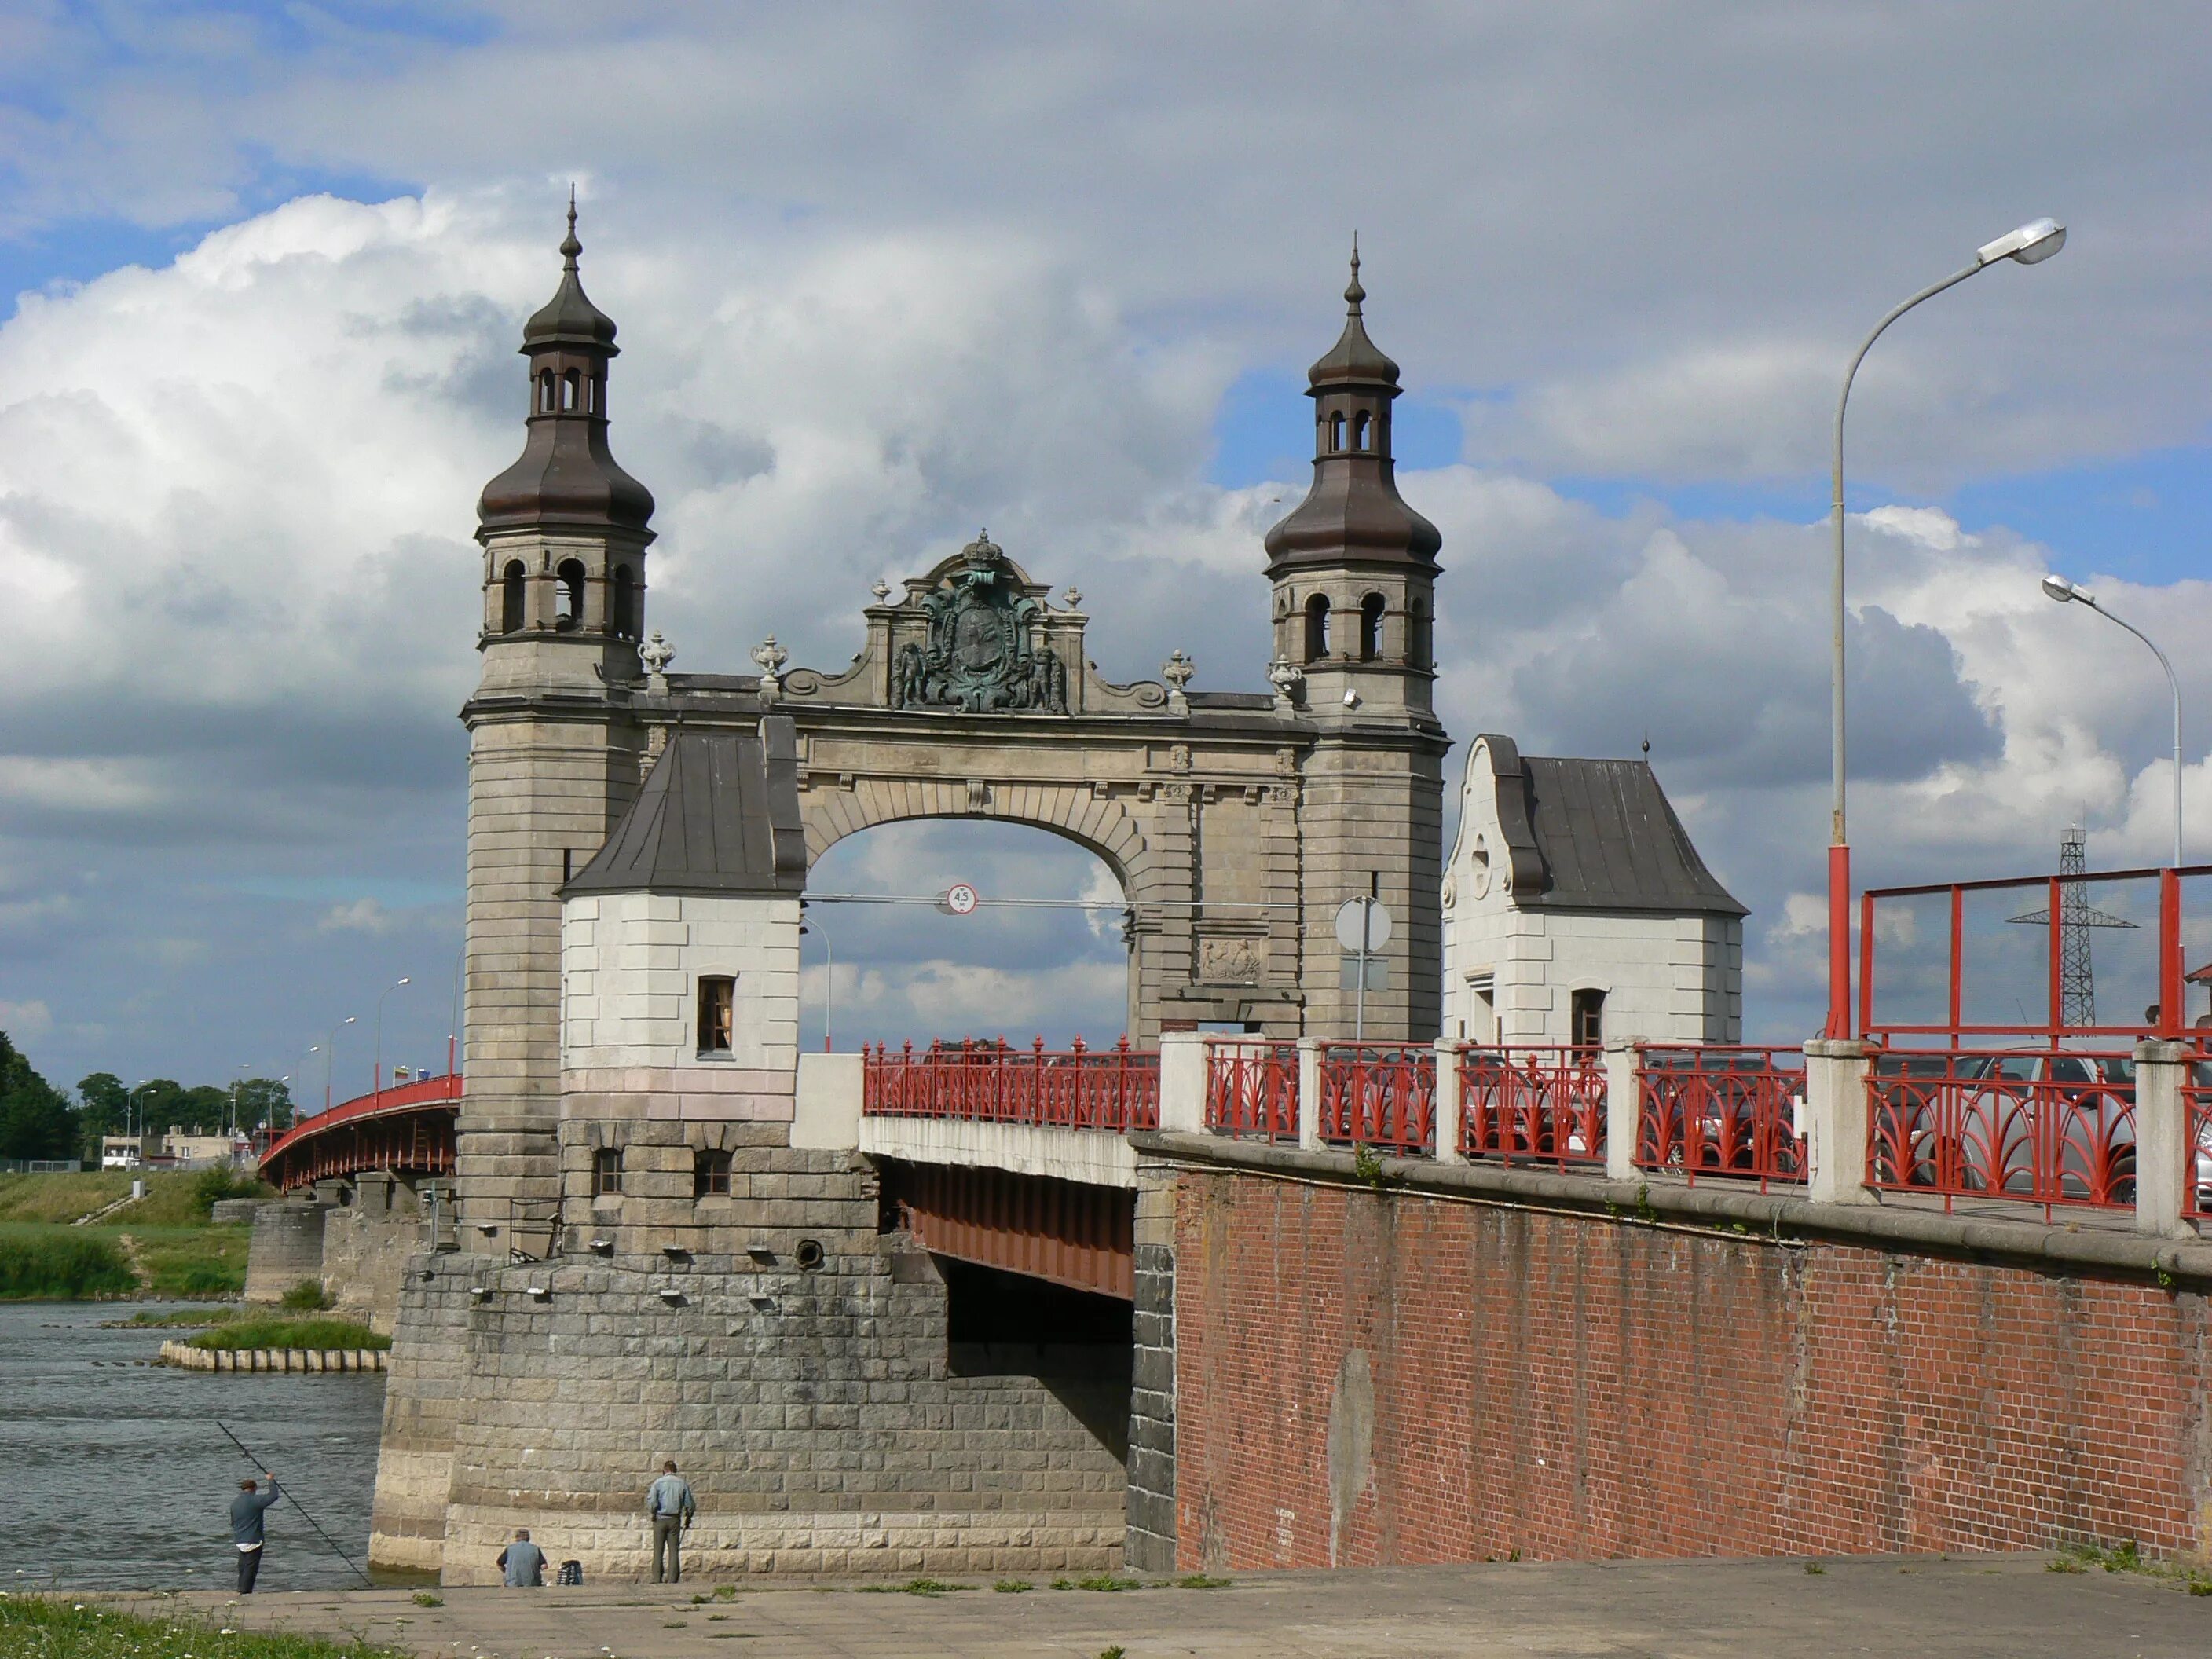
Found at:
[565, 476]
[1353, 514]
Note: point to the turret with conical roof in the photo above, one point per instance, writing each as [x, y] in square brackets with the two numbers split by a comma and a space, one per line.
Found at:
[1353, 566]
[564, 529]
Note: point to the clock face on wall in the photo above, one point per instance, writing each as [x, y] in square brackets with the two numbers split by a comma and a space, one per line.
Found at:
[1478, 867]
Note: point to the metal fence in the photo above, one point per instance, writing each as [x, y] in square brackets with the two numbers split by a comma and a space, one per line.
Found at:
[2050, 1128]
[1534, 1105]
[1729, 1110]
[2197, 1114]
[990, 1081]
[1376, 1094]
[1252, 1089]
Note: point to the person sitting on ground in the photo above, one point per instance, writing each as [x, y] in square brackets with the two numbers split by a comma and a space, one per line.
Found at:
[245, 1529]
[523, 1562]
[668, 1501]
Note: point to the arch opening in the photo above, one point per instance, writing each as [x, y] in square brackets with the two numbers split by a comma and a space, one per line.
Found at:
[568, 595]
[1372, 609]
[1317, 628]
[1045, 955]
[513, 589]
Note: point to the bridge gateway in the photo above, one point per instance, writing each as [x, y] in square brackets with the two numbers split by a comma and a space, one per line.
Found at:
[650, 1247]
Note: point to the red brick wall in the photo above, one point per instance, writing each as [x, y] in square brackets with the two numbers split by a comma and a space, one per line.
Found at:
[1570, 1387]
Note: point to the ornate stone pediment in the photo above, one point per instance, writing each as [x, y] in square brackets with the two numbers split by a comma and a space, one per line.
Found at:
[984, 650]
[976, 636]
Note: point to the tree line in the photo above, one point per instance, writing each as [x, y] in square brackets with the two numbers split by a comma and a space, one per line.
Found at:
[38, 1121]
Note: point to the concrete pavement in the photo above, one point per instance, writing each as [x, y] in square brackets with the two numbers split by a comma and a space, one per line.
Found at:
[2001, 1606]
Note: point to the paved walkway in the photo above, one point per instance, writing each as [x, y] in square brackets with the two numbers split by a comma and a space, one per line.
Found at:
[2001, 1606]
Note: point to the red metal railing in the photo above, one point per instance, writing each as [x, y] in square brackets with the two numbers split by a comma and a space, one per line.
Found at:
[1252, 1088]
[1541, 1105]
[2050, 1128]
[2054, 897]
[1375, 1094]
[2196, 1113]
[1116, 1088]
[1718, 1109]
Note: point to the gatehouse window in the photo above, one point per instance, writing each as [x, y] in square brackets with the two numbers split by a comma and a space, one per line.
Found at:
[1586, 1012]
[1420, 641]
[625, 603]
[710, 1175]
[571, 386]
[718, 1003]
[606, 1172]
[1335, 433]
[511, 597]
[568, 595]
[1371, 627]
[595, 394]
[1360, 425]
[545, 391]
[1317, 628]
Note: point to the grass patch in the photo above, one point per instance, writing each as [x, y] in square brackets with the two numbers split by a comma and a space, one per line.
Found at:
[63, 1630]
[174, 1197]
[174, 1318]
[49, 1263]
[308, 1296]
[424, 1599]
[1012, 1586]
[270, 1330]
[2127, 1556]
[914, 1587]
[1200, 1581]
[1107, 1582]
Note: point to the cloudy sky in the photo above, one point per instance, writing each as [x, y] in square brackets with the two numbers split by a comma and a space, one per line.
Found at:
[885, 274]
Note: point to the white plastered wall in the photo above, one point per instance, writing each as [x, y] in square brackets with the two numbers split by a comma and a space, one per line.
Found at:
[1668, 977]
[630, 966]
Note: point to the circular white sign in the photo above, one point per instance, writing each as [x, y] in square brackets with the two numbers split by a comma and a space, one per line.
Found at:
[1355, 915]
[961, 899]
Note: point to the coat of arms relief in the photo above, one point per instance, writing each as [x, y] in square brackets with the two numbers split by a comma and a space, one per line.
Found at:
[983, 654]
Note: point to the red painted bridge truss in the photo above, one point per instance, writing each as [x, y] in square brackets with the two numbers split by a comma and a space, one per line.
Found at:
[407, 1128]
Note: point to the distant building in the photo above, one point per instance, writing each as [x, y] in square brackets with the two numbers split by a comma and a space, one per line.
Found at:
[229, 1146]
[120, 1153]
[1575, 906]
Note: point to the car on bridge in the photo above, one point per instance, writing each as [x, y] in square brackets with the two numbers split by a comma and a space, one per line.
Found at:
[2048, 1126]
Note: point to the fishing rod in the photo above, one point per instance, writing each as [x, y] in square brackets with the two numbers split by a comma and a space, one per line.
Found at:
[296, 1505]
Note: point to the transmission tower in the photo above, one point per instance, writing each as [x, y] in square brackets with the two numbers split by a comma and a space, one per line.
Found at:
[2077, 974]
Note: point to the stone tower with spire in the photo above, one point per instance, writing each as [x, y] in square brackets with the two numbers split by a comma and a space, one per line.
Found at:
[1354, 570]
[553, 757]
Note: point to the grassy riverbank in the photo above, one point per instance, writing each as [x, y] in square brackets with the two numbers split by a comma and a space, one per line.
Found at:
[163, 1245]
[34, 1627]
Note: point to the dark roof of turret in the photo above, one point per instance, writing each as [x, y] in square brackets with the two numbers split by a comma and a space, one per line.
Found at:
[1354, 357]
[719, 813]
[569, 317]
[1597, 834]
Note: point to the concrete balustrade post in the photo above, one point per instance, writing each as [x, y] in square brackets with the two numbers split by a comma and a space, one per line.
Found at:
[1182, 1083]
[2166, 1161]
[1624, 1105]
[1310, 1094]
[1446, 1141]
[826, 1106]
[1836, 1121]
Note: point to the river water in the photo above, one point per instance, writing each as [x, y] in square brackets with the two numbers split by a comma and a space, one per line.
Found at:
[113, 1473]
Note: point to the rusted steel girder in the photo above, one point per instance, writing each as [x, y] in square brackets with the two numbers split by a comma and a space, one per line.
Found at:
[1065, 1231]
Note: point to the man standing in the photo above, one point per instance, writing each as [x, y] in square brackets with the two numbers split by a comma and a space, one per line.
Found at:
[524, 1563]
[668, 1502]
[246, 1531]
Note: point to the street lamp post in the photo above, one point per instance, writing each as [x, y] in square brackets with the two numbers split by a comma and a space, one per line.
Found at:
[829, 1003]
[2068, 592]
[2031, 244]
[376, 1066]
[329, 1054]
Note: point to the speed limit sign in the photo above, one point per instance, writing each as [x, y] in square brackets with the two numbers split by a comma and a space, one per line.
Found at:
[961, 899]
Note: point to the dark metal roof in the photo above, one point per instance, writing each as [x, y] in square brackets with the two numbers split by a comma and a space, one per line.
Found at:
[1597, 834]
[719, 813]
[569, 317]
[1354, 357]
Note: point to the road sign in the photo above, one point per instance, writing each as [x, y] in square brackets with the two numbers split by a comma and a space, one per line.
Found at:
[1363, 926]
[961, 899]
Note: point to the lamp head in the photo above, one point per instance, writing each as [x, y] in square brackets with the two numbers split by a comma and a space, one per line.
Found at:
[2059, 588]
[2030, 245]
